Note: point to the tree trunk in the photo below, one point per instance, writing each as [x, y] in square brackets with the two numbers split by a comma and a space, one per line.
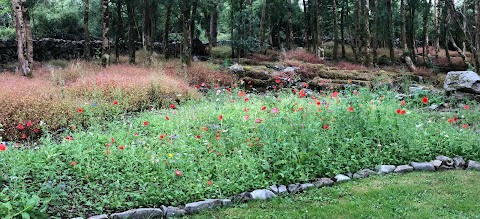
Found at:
[307, 25]
[356, 37]
[152, 29]
[186, 50]
[477, 35]
[319, 23]
[335, 30]
[28, 33]
[367, 35]
[465, 35]
[411, 31]
[119, 34]
[166, 42]
[403, 34]
[232, 22]
[459, 50]
[131, 31]
[192, 21]
[426, 16]
[289, 32]
[391, 36]
[105, 28]
[436, 44]
[464, 45]
[375, 31]
[262, 23]
[85, 30]
[342, 27]
[213, 26]
[445, 32]
[22, 53]
[145, 24]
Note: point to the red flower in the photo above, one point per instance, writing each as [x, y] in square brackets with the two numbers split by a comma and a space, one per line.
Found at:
[115, 102]
[455, 119]
[450, 121]
[229, 89]
[178, 173]
[150, 108]
[69, 138]
[145, 123]
[399, 111]
[210, 182]
[264, 107]
[113, 140]
[29, 124]
[326, 127]
[465, 126]
[277, 80]
[246, 99]
[241, 93]
[20, 127]
[350, 109]
[319, 103]
[35, 130]
[220, 117]
[121, 147]
[205, 128]
[162, 136]
[258, 120]
[136, 134]
[335, 94]
[197, 86]
[425, 100]
[402, 103]
[198, 136]
[3, 147]
[466, 107]
[24, 136]
[167, 118]
[302, 93]
[107, 145]
[172, 106]
[402, 112]
[217, 136]
[73, 163]
[80, 110]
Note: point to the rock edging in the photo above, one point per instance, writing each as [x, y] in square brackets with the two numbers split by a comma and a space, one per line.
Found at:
[439, 164]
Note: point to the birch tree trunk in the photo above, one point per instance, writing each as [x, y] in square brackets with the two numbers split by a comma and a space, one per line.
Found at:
[22, 53]
[367, 35]
[319, 23]
[436, 44]
[86, 31]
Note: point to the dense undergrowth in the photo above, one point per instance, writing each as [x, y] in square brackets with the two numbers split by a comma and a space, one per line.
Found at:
[227, 142]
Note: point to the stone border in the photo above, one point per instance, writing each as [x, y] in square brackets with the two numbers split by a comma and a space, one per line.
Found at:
[440, 163]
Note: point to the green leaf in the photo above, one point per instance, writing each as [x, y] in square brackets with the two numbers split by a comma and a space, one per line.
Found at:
[25, 215]
[8, 205]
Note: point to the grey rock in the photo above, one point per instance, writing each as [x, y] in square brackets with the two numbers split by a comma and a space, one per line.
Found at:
[385, 169]
[445, 160]
[442, 168]
[459, 162]
[289, 69]
[102, 216]
[433, 107]
[403, 169]
[341, 178]
[140, 213]
[423, 166]
[243, 197]
[416, 88]
[170, 212]
[436, 163]
[274, 189]
[262, 194]
[473, 165]
[282, 189]
[363, 173]
[323, 182]
[196, 207]
[464, 81]
[350, 175]
[236, 68]
[226, 202]
[306, 186]
[294, 188]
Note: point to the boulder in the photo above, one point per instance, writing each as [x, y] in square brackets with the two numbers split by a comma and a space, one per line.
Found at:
[464, 81]
[196, 207]
[423, 166]
[323, 182]
[341, 178]
[385, 169]
[243, 197]
[403, 169]
[170, 212]
[363, 173]
[140, 213]
[459, 162]
[445, 160]
[236, 68]
[294, 188]
[102, 216]
[436, 163]
[473, 165]
[282, 189]
[262, 194]
[274, 189]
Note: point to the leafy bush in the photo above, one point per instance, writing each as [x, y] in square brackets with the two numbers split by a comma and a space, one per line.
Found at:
[198, 73]
[231, 143]
[221, 52]
[7, 33]
[301, 55]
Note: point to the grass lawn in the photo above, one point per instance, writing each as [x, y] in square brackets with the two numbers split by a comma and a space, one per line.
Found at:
[450, 194]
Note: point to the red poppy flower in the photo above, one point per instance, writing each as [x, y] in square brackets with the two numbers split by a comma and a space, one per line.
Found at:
[402, 103]
[264, 107]
[29, 124]
[115, 102]
[246, 99]
[220, 117]
[198, 136]
[425, 100]
[197, 86]
[172, 106]
[167, 118]
[277, 80]
[113, 140]
[455, 119]
[398, 111]
[178, 173]
[319, 103]
[80, 110]
[145, 123]
[69, 138]
[162, 136]
[210, 182]
[121, 147]
[241, 93]
[466, 107]
[205, 128]
[326, 127]
[107, 145]
[24, 136]
[465, 126]
[350, 109]
[355, 92]
[229, 89]
[3, 147]
[335, 94]
[20, 127]
[217, 136]
[35, 130]
[450, 121]
[73, 163]
[302, 93]
[402, 112]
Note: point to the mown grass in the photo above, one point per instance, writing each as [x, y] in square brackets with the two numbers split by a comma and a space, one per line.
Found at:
[227, 143]
[451, 194]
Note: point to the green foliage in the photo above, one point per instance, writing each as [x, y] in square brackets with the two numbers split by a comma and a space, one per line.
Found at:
[7, 33]
[58, 18]
[221, 52]
[239, 144]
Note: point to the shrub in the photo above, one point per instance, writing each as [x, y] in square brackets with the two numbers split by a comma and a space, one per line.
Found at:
[198, 73]
[221, 52]
[301, 55]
